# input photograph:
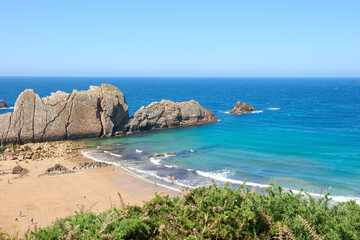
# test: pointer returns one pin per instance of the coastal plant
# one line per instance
(6, 236)
(216, 213)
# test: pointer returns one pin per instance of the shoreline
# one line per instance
(210, 175)
(31, 201)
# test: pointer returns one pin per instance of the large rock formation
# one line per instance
(166, 114)
(100, 111)
(241, 108)
(3, 104)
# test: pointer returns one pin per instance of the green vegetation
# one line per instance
(2, 149)
(216, 213)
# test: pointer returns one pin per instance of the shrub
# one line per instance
(216, 213)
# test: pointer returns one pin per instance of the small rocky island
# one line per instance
(98, 112)
(242, 108)
(3, 104)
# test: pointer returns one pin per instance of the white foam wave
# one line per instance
(334, 198)
(227, 112)
(116, 155)
(153, 174)
(91, 156)
(273, 108)
(138, 151)
(192, 150)
(222, 176)
(170, 166)
(155, 161)
(260, 111)
(113, 154)
(6, 108)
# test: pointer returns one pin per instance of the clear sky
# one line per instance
(180, 38)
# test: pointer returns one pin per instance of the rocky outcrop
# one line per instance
(87, 165)
(167, 114)
(3, 104)
(58, 169)
(241, 108)
(19, 170)
(98, 112)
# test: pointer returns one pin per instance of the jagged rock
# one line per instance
(58, 169)
(87, 165)
(19, 170)
(241, 108)
(3, 104)
(171, 153)
(100, 111)
(167, 114)
(157, 155)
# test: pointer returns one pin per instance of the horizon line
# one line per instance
(115, 76)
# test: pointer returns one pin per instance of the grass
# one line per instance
(2, 149)
(215, 213)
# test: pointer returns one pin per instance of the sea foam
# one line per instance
(222, 176)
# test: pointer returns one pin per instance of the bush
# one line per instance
(216, 213)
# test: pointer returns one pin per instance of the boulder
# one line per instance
(3, 104)
(98, 112)
(166, 114)
(241, 108)
(19, 170)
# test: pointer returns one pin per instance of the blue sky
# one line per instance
(180, 38)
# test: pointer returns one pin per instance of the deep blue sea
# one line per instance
(305, 133)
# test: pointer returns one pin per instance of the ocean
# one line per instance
(305, 133)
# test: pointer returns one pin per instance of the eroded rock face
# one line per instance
(241, 108)
(100, 111)
(167, 114)
(3, 104)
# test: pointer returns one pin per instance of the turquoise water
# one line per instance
(306, 133)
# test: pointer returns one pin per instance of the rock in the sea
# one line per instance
(241, 108)
(98, 112)
(3, 104)
(156, 155)
(166, 114)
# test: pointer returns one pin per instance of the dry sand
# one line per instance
(46, 198)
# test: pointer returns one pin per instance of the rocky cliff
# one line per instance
(166, 114)
(100, 111)
(241, 108)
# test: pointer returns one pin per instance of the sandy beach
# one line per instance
(31, 201)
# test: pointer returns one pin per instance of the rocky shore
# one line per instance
(98, 112)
